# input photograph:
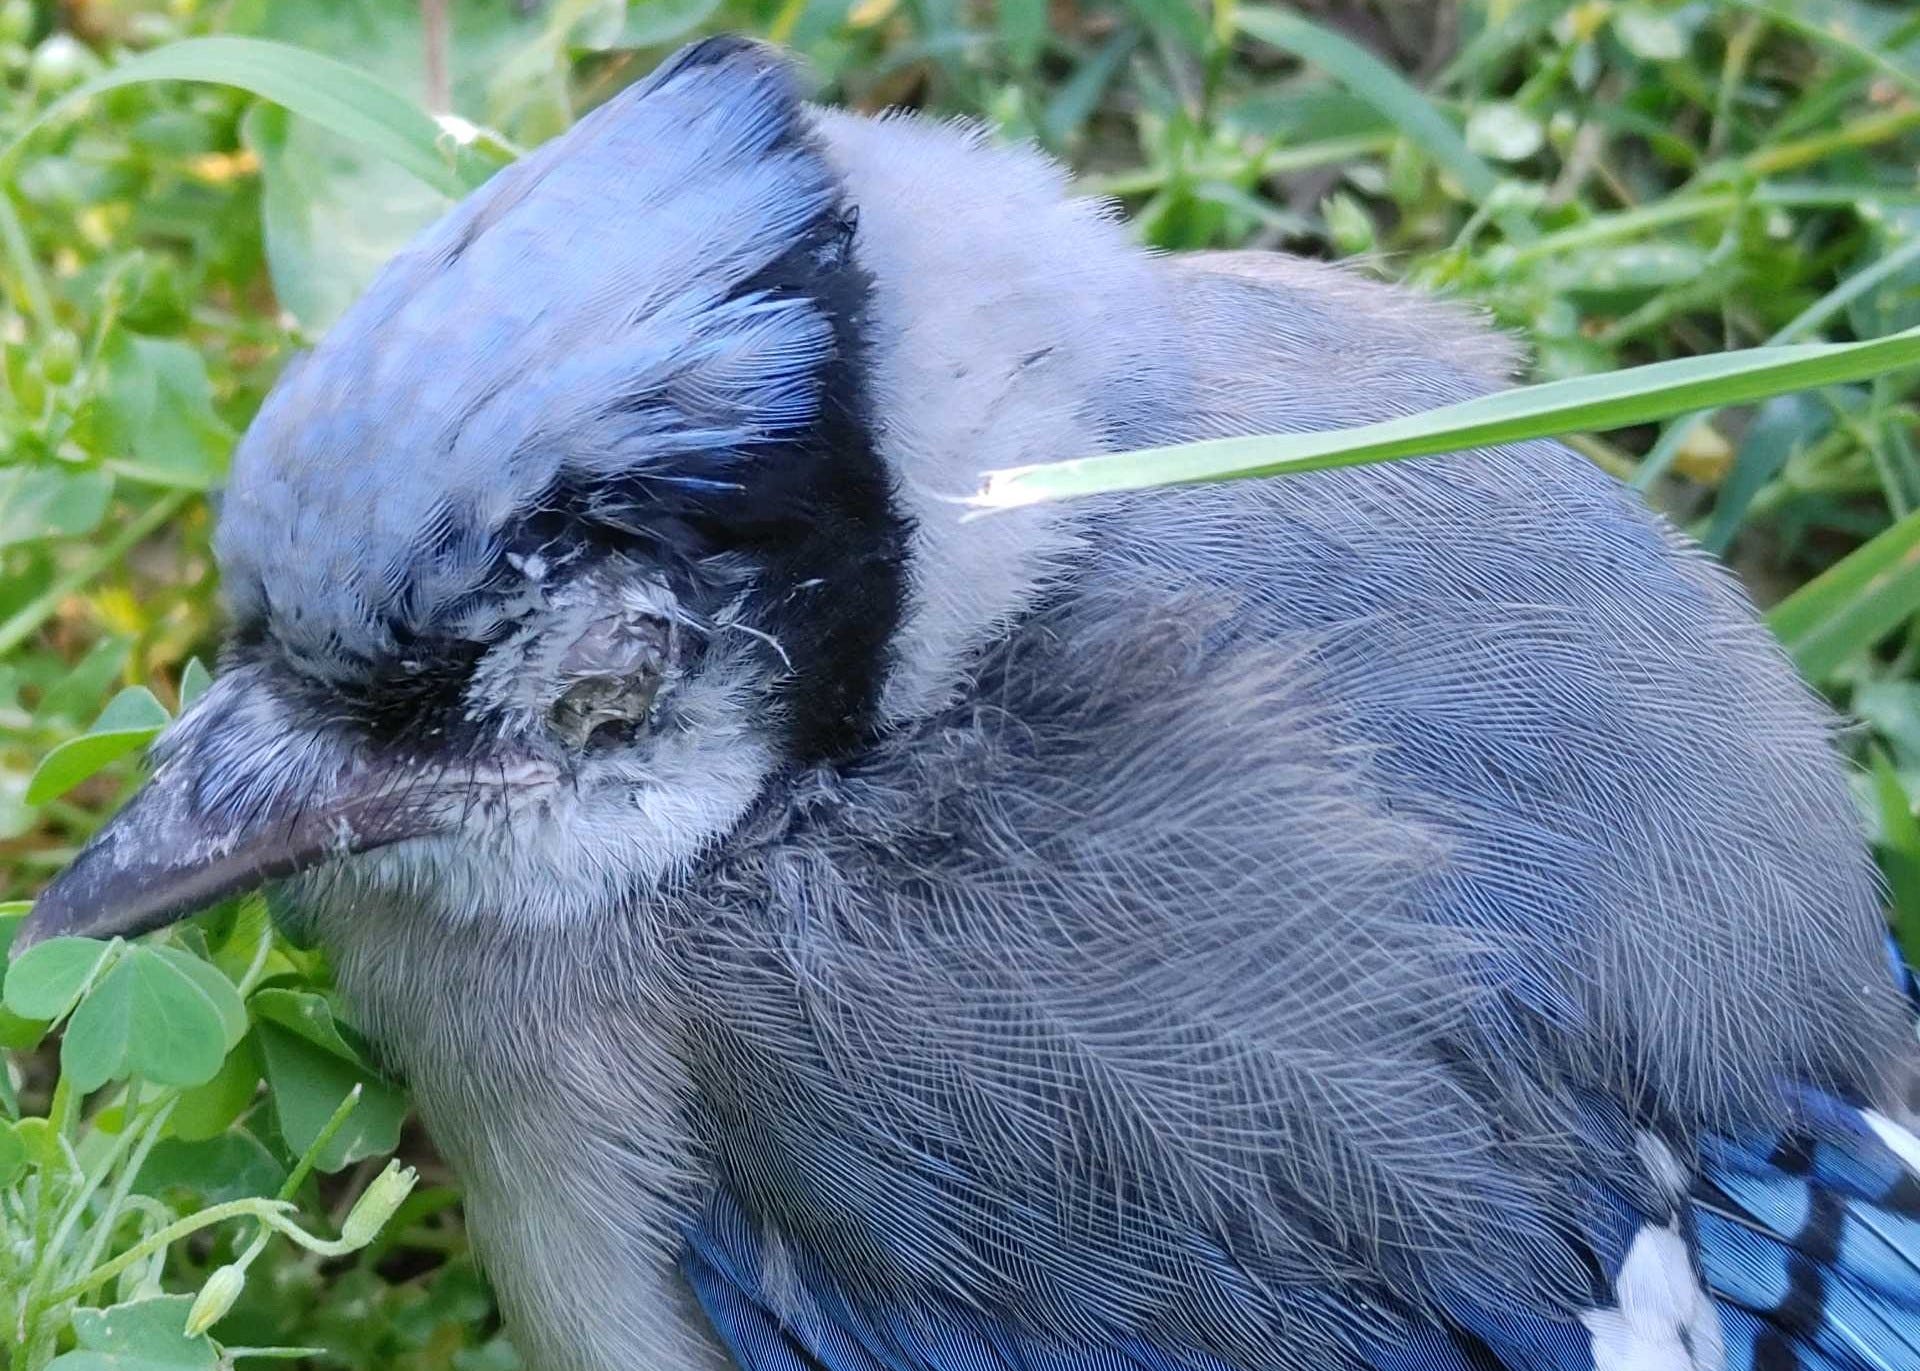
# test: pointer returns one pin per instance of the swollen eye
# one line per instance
(612, 672)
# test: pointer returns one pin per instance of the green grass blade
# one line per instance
(1854, 603)
(331, 93)
(1635, 396)
(1379, 85)
(1869, 34)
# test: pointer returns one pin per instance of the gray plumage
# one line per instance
(1253, 920)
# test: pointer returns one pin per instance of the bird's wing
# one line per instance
(1294, 949)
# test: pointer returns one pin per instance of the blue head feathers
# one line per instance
(644, 339)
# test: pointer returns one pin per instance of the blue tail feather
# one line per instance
(1809, 1302)
(1875, 1247)
(1754, 1344)
(1810, 1240)
(1859, 1168)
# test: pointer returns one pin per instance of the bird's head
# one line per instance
(565, 538)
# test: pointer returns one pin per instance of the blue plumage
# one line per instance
(1400, 918)
(1837, 1289)
(1807, 1240)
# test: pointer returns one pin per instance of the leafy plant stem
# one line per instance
(156, 1122)
(1732, 72)
(271, 1212)
(82, 1193)
(311, 1157)
(26, 621)
(33, 284)
(1810, 319)
(1802, 152)
(38, 1303)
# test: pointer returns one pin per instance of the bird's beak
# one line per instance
(174, 849)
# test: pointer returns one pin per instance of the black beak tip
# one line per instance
(70, 908)
(33, 929)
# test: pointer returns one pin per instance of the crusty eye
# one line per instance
(611, 674)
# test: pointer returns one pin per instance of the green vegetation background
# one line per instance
(1620, 181)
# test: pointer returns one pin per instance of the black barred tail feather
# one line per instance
(1810, 1242)
(1810, 1238)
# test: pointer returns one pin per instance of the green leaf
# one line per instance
(1861, 286)
(133, 708)
(237, 952)
(18, 1032)
(146, 1335)
(156, 414)
(231, 1166)
(1023, 29)
(75, 696)
(1378, 84)
(48, 502)
(1899, 849)
(46, 979)
(310, 1016)
(1181, 18)
(333, 94)
(147, 1017)
(131, 720)
(308, 1083)
(1080, 94)
(194, 680)
(655, 23)
(1854, 603)
(213, 983)
(331, 216)
(207, 1111)
(1295, 117)
(1782, 427)
(1613, 400)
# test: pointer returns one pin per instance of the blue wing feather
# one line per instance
(1810, 1239)
(1807, 1241)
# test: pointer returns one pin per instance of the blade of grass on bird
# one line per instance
(1854, 603)
(1617, 399)
(331, 93)
(1379, 85)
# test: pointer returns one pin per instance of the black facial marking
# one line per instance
(806, 524)
(822, 520)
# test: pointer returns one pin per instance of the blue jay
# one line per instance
(1397, 919)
